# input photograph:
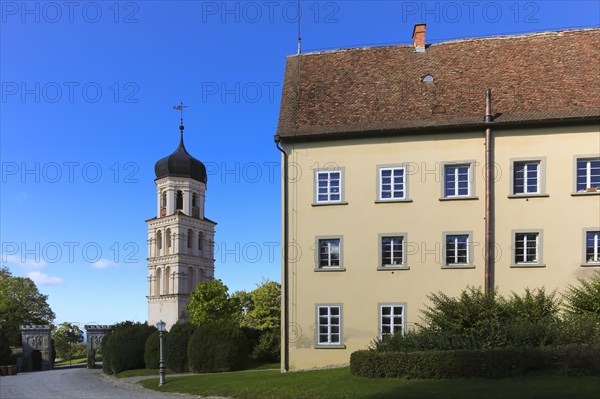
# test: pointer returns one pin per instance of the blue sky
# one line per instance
(87, 90)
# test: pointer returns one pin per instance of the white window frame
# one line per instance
(540, 178)
(595, 232)
(470, 165)
(402, 264)
(328, 189)
(588, 189)
(394, 327)
(380, 179)
(469, 249)
(329, 267)
(539, 239)
(329, 325)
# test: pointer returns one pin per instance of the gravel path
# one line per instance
(77, 383)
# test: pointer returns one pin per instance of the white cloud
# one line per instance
(104, 264)
(28, 263)
(43, 279)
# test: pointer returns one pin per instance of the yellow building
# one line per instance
(388, 197)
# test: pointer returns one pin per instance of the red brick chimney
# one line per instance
(418, 37)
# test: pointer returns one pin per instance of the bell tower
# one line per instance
(180, 237)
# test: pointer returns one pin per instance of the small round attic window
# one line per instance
(427, 79)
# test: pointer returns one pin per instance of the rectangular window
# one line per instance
(588, 175)
(457, 249)
(527, 248)
(329, 186)
(329, 253)
(392, 183)
(391, 320)
(392, 251)
(592, 247)
(457, 181)
(329, 323)
(526, 177)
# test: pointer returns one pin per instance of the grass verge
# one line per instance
(73, 361)
(339, 383)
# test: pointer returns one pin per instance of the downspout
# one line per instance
(286, 317)
(489, 195)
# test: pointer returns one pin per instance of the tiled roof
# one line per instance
(551, 76)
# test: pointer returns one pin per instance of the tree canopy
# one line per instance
(65, 335)
(264, 307)
(21, 303)
(210, 303)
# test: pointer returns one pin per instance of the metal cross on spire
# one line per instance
(180, 108)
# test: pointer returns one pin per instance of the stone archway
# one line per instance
(37, 347)
(95, 333)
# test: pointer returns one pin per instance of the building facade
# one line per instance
(387, 188)
(180, 237)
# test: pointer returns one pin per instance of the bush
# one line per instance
(175, 347)
(5, 352)
(252, 336)
(123, 348)
(152, 351)
(584, 298)
(268, 347)
(476, 320)
(498, 362)
(217, 347)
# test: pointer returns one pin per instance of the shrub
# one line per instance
(268, 347)
(476, 320)
(252, 336)
(107, 343)
(152, 351)
(217, 347)
(584, 298)
(5, 352)
(175, 347)
(498, 362)
(123, 348)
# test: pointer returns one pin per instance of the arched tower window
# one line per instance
(200, 241)
(167, 280)
(190, 238)
(157, 281)
(194, 200)
(158, 242)
(163, 198)
(168, 240)
(179, 200)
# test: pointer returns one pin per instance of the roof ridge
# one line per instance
(454, 41)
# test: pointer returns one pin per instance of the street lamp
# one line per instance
(161, 366)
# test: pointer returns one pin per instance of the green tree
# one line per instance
(265, 312)
(210, 303)
(65, 335)
(21, 303)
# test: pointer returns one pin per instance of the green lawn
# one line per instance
(339, 383)
(252, 365)
(73, 361)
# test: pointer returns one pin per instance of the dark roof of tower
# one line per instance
(180, 164)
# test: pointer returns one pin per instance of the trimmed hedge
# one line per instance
(152, 350)
(175, 350)
(123, 348)
(217, 347)
(497, 362)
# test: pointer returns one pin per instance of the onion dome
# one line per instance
(180, 164)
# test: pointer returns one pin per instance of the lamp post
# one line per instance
(161, 366)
